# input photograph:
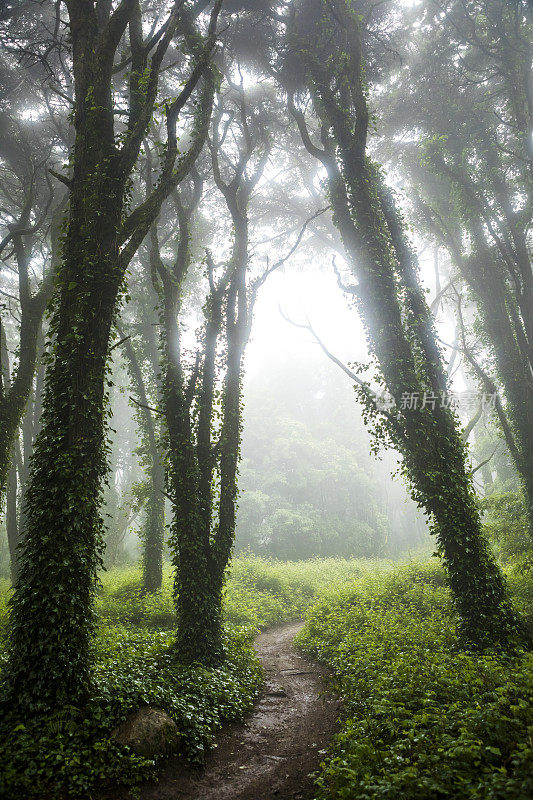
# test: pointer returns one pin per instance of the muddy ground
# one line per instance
(270, 755)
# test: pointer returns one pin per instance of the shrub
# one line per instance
(69, 753)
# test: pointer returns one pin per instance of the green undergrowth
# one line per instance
(71, 754)
(424, 719)
(259, 592)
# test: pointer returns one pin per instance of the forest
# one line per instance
(266, 400)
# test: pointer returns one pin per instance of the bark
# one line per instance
(11, 521)
(53, 605)
(398, 325)
(154, 525)
(14, 398)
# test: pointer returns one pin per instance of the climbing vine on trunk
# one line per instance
(393, 309)
(52, 613)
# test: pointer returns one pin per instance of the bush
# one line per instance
(69, 753)
(424, 719)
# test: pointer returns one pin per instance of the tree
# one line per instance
(32, 212)
(154, 525)
(463, 102)
(51, 611)
(202, 453)
(392, 305)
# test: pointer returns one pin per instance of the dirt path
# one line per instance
(270, 755)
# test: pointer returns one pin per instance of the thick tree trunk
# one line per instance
(63, 536)
(196, 595)
(432, 448)
(201, 544)
(52, 611)
(197, 589)
(399, 331)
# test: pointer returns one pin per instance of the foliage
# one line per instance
(506, 525)
(309, 485)
(70, 752)
(259, 592)
(423, 717)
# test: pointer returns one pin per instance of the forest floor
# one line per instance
(270, 754)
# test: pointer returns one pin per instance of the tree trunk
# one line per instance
(399, 331)
(52, 612)
(154, 526)
(12, 522)
(63, 536)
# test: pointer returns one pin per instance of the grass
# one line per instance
(259, 592)
(424, 719)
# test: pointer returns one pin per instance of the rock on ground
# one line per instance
(149, 732)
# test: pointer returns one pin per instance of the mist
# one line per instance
(266, 399)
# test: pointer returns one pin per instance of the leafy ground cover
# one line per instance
(424, 719)
(259, 592)
(72, 753)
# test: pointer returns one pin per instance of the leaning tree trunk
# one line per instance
(398, 327)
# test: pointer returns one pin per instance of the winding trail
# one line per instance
(270, 755)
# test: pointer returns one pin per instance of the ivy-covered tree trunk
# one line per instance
(16, 384)
(199, 631)
(197, 601)
(397, 321)
(154, 527)
(15, 391)
(51, 617)
(238, 320)
(202, 459)
(204, 550)
(52, 611)
(469, 175)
